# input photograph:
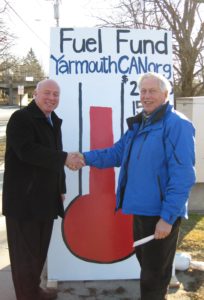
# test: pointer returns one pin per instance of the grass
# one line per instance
(191, 238)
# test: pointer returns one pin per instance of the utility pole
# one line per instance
(143, 9)
(56, 12)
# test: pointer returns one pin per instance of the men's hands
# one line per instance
(75, 161)
(162, 229)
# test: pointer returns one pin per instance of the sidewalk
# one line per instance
(6, 284)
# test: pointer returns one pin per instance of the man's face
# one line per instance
(47, 96)
(150, 94)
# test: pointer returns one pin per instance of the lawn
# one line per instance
(191, 238)
(191, 241)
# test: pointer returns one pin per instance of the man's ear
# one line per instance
(166, 95)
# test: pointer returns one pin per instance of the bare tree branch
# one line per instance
(184, 19)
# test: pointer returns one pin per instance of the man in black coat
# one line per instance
(33, 188)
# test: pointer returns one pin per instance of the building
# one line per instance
(193, 108)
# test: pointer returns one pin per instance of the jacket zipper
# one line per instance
(141, 145)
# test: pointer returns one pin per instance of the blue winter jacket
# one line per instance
(157, 164)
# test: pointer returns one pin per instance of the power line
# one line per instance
(25, 23)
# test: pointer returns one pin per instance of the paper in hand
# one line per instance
(143, 241)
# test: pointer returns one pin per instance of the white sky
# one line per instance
(31, 20)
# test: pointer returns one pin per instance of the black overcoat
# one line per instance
(34, 177)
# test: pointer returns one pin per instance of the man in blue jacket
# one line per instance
(156, 156)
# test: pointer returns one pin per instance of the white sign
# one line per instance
(98, 71)
(29, 78)
(20, 90)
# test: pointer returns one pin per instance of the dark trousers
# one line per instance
(28, 243)
(155, 258)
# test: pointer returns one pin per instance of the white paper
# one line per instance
(143, 241)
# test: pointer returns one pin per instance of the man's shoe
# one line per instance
(47, 294)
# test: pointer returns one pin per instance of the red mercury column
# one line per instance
(91, 229)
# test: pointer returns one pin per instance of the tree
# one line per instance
(28, 66)
(24, 67)
(6, 42)
(184, 19)
(15, 74)
(13, 70)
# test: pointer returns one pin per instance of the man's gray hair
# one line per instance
(164, 83)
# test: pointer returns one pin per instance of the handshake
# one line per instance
(75, 161)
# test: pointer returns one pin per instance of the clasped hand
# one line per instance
(75, 161)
